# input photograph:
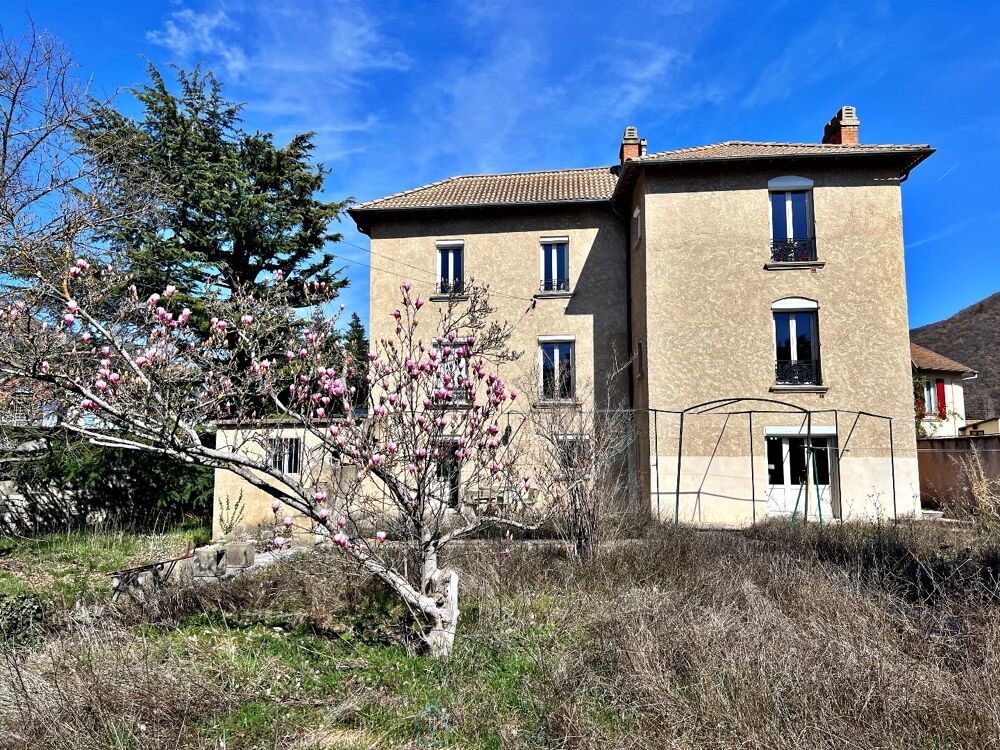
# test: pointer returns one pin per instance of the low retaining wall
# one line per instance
(942, 480)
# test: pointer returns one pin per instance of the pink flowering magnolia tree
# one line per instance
(130, 371)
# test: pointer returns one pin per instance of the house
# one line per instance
(761, 282)
(975, 428)
(938, 392)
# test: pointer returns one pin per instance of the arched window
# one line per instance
(796, 341)
(792, 234)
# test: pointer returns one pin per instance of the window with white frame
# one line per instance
(796, 341)
(448, 471)
(286, 454)
(451, 279)
(554, 260)
(557, 365)
(930, 399)
(792, 236)
(453, 367)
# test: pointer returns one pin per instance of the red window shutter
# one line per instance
(942, 407)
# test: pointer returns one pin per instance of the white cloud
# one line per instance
(189, 34)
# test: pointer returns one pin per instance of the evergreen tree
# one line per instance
(230, 207)
(356, 355)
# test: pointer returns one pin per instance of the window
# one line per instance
(636, 226)
(285, 454)
(935, 400)
(450, 267)
(638, 359)
(796, 342)
(557, 369)
(788, 454)
(448, 472)
(792, 238)
(555, 264)
(930, 399)
(452, 369)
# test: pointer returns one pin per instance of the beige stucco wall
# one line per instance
(711, 329)
(503, 251)
(238, 503)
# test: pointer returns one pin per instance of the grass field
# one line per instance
(853, 637)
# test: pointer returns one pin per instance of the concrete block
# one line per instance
(209, 561)
(240, 554)
(179, 571)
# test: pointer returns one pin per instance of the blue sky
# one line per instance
(405, 93)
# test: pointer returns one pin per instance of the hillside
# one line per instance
(971, 336)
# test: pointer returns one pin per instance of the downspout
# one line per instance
(628, 301)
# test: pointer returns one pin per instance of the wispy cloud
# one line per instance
(188, 34)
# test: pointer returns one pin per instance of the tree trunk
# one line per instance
(442, 587)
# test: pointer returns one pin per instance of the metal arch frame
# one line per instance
(707, 407)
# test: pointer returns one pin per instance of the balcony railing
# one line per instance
(793, 251)
(554, 285)
(450, 286)
(797, 372)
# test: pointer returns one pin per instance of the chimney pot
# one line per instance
(843, 127)
(632, 145)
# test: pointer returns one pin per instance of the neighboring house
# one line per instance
(737, 270)
(938, 392)
(974, 428)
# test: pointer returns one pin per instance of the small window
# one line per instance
(448, 472)
(930, 399)
(792, 236)
(976, 433)
(636, 226)
(451, 278)
(555, 265)
(796, 343)
(452, 371)
(557, 365)
(639, 359)
(285, 454)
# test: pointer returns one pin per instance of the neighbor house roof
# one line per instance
(925, 359)
(558, 186)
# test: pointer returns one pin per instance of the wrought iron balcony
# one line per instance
(797, 372)
(793, 251)
(554, 285)
(450, 286)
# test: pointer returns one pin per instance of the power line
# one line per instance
(423, 271)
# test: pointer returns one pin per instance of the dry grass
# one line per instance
(881, 637)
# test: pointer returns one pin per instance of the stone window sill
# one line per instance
(448, 297)
(781, 388)
(558, 404)
(794, 265)
(553, 295)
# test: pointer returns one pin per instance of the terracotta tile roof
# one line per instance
(560, 186)
(925, 359)
(752, 149)
(598, 183)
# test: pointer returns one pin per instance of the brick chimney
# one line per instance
(843, 128)
(632, 145)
